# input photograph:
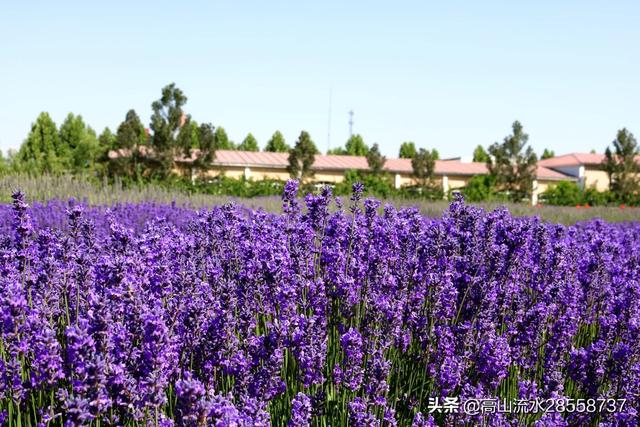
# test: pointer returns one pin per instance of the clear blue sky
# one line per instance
(448, 75)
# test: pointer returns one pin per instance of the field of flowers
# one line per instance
(341, 313)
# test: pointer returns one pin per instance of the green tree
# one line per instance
(249, 143)
(355, 146)
(107, 140)
(166, 121)
(79, 145)
(338, 151)
(435, 154)
(424, 167)
(277, 144)
(188, 135)
(407, 150)
(480, 154)
(623, 165)
(564, 193)
(513, 164)
(547, 154)
(41, 151)
(480, 188)
(302, 156)
(128, 155)
(375, 159)
(222, 140)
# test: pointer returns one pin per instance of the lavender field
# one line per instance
(332, 312)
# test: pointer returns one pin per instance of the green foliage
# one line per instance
(79, 145)
(355, 146)
(424, 167)
(623, 166)
(166, 121)
(435, 154)
(127, 160)
(277, 144)
(480, 188)
(222, 140)
(547, 154)
(41, 151)
(338, 151)
(375, 159)
(564, 193)
(225, 186)
(513, 165)
(480, 155)
(301, 157)
(380, 185)
(407, 150)
(249, 144)
(188, 136)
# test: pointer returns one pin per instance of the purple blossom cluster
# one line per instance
(166, 316)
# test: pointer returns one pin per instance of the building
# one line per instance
(586, 168)
(330, 169)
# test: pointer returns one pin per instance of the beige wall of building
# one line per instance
(596, 177)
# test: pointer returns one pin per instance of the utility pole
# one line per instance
(350, 123)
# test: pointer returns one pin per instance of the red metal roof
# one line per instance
(573, 159)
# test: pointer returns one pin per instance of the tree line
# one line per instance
(135, 153)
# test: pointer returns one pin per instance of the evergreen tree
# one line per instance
(167, 119)
(547, 154)
(128, 157)
(302, 156)
(480, 155)
(40, 152)
(513, 164)
(424, 167)
(79, 145)
(623, 165)
(375, 159)
(355, 146)
(222, 140)
(407, 150)
(249, 144)
(277, 144)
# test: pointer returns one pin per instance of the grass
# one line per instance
(64, 187)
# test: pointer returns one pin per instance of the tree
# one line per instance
(41, 151)
(79, 144)
(302, 156)
(375, 159)
(338, 151)
(407, 150)
(277, 144)
(355, 146)
(249, 143)
(222, 140)
(547, 154)
(480, 188)
(206, 145)
(188, 136)
(424, 167)
(128, 158)
(480, 154)
(513, 164)
(107, 139)
(623, 165)
(435, 154)
(166, 121)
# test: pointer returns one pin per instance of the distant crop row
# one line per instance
(338, 312)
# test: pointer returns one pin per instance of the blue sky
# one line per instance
(447, 75)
